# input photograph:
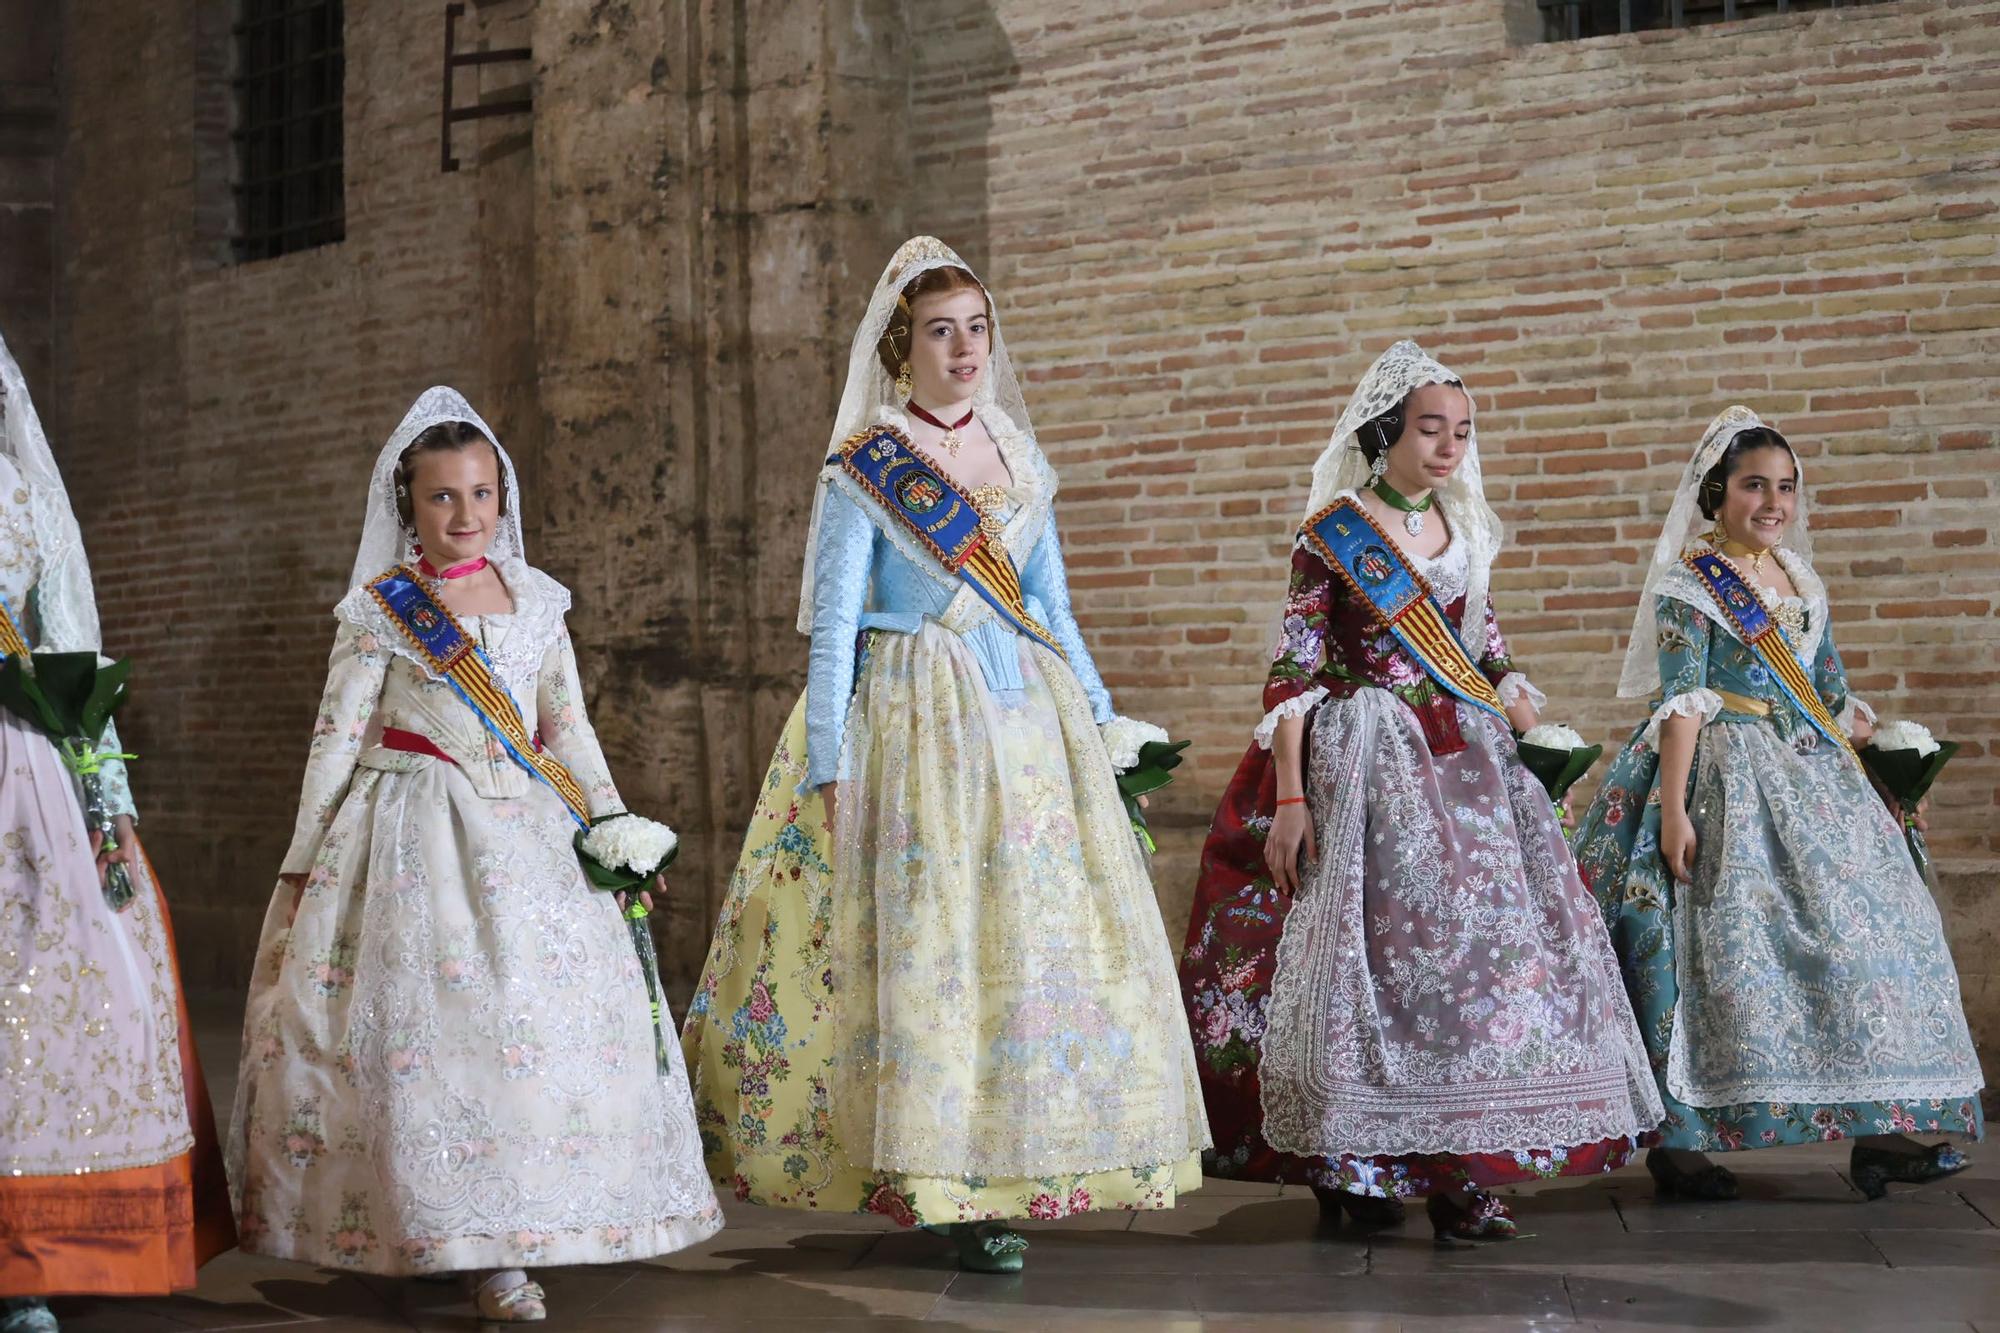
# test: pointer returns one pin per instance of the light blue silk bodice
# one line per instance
(863, 580)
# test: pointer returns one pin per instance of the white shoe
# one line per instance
(505, 1297)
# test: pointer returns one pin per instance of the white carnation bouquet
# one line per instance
(1905, 735)
(1558, 758)
(622, 853)
(1145, 757)
(1906, 759)
(629, 847)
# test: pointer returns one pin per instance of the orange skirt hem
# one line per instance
(142, 1231)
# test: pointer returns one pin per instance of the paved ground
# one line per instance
(1800, 1251)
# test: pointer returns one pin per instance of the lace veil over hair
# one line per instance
(385, 543)
(1399, 371)
(1640, 678)
(871, 391)
(65, 602)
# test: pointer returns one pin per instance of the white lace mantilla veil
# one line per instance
(1400, 370)
(870, 396)
(1640, 678)
(65, 603)
(385, 543)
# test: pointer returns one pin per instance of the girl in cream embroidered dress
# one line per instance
(448, 1060)
(958, 1004)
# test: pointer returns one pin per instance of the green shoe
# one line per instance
(989, 1247)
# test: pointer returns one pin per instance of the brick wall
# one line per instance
(1204, 220)
(28, 110)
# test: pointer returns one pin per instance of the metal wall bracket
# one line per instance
(448, 114)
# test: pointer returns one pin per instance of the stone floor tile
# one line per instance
(1830, 1296)
(1408, 1253)
(1033, 1298)
(1494, 1295)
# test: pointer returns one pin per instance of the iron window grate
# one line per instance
(290, 79)
(1573, 20)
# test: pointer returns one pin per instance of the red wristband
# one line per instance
(1291, 800)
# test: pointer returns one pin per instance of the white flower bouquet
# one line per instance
(1145, 757)
(1558, 758)
(1906, 759)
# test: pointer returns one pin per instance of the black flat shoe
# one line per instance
(1874, 1168)
(1482, 1217)
(1370, 1212)
(1711, 1184)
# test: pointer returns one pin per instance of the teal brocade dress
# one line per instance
(1799, 988)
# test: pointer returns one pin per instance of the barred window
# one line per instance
(290, 77)
(1569, 20)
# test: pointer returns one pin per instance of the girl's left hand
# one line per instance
(1917, 820)
(645, 895)
(126, 855)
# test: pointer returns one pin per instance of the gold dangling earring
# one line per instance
(904, 385)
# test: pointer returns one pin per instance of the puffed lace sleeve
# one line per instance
(1290, 688)
(1047, 581)
(1830, 680)
(1496, 663)
(354, 676)
(566, 730)
(1683, 647)
(842, 567)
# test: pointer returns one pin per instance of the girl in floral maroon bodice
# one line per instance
(1397, 984)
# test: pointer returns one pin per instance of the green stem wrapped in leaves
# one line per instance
(621, 876)
(70, 697)
(1157, 761)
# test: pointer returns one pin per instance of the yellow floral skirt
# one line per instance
(760, 1037)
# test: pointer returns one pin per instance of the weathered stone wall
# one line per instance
(715, 190)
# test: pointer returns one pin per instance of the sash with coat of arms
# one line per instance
(456, 659)
(924, 503)
(1766, 638)
(1367, 561)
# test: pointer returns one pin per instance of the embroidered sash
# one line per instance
(926, 504)
(1357, 550)
(453, 656)
(1766, 638)
(13, 643)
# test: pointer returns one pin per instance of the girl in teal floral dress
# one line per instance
(1786, 962)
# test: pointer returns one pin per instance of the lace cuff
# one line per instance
(1851, 711)
(1515, 684)
(1296, 706)
(1701, 704)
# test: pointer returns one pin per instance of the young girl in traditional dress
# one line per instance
(111, 1178)
(1785, 958)
(449, 1063)
(940, 989)
(1397, 985)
